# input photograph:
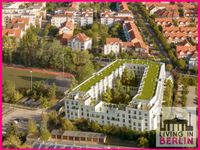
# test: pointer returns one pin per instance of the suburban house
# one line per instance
(80, 42)
(67, 28)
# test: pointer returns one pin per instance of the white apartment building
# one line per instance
(34, 12)
(109, 17)
(80, 42)
(112, 45)
(58, 19)
(82, 18)
(140, 114)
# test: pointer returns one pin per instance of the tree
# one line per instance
(10, 94)
(160, 28)
(44, 132)
(38, 90)
(9, 45)
(28, 45)
(12, 141)
(85, 71)
(32, 127)
(175, 22)
(53, 120)
(66, 124)
(44, 102)
(53, 31)
(52, 91)
(94, 126)
(13, 136)
(73, 83)
(128, 77)
(181, 12)
(143, 142)
(169, 67)
(182, 64)
(106, 96)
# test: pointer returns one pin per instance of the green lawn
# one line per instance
(22, 78)
(149, 82)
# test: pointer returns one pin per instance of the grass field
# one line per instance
(22, 78)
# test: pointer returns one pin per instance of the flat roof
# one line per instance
(149, 84)
(79, 134)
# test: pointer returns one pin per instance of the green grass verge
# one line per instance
(22, 78)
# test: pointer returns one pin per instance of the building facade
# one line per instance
(140, 114)
(80, 42)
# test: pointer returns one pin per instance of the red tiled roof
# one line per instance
(186, 50)
(135, 35)
(12, 32)
(112, 40)
(69, 24)
(20, 21)
(123, 6)
(81, 37)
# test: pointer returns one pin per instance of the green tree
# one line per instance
(12, 141)
(181, 12)
(73, 83)
(143, 142)
(44, 102)
(10, 94)
(107, 96)
(44, 132)
(53, 31)
(66, 124)
(160, 28)
(32, 127)
(28, 45)
(182, 64)
(52, 91)
(169, 67)
(9, 45)
(38, 90)
(94, 126)
(85, 71)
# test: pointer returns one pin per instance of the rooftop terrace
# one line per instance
(149, 84)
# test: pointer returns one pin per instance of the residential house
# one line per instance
(133, 35)
(112, 45)
(80, 42)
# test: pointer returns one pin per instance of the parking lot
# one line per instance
(21, 116)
